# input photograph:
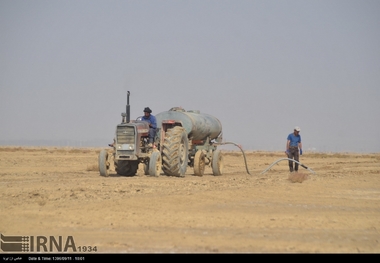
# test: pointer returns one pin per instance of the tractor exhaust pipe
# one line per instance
(128, 110)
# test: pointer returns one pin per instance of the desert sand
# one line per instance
(47, 191)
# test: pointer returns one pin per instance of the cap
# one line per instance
(297, 128)
(147, 110)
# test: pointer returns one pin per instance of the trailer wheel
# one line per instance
(126, 168)
(199, 163)
(217, 163)
(175, 150)
(155, 164)
(103, 163)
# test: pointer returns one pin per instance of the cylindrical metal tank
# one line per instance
(198, 125)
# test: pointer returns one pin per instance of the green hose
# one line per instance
(289, 160)
(245, 160)
(237, 145)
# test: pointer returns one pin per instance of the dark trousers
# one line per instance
(293, 154)
(152, 134)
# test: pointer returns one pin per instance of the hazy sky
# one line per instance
(260, 66)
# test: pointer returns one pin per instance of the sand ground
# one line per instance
(59, 192)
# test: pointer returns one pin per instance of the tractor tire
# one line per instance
(155, 164)
(217, 163)
(199, 163)
(103, 163)
(175, 150)
(126, 168)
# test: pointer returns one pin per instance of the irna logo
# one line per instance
(37, 244)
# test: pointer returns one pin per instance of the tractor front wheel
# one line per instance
(155, 164)
(103, 163)
(126, 168)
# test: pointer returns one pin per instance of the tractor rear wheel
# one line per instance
(217, 163)
(126, 168)
(103, 163)
(175, 150)
(199, 163)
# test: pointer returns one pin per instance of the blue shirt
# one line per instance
(294, 139)
(151, 119)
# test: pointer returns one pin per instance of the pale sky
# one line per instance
(261, 67)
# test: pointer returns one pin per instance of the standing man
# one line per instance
(148, 117)
(294, 148)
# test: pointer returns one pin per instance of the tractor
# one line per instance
(183, 138)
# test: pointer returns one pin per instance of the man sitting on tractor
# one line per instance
(151, 119)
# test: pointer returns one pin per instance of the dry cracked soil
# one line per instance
(48, 191)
